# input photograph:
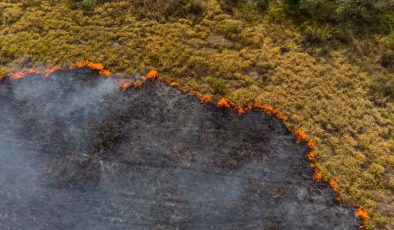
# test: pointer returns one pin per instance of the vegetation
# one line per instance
(327, 64)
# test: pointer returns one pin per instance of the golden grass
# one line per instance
(328, 96)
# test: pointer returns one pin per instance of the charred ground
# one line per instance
(76, 152)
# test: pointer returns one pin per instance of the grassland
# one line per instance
(330, 90)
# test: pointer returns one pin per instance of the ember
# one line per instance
(78, 153)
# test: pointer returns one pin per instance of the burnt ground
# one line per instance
(76, 153)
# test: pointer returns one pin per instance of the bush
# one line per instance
(85, 4)
(276, 13)
(169, 9)
(89, 4)
(244, 5)
(318, 32)
(232, 26)
(217, 85)
(387, 58)
(384, 86)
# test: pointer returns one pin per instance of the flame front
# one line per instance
(94, 66)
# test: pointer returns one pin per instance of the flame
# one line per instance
(311, 156)
(151, 75)
(301, 136)
(318, 176)
(310, 143)
(125, 85)
(94, 66)
(333, 185)
(269, 110)
(23, 73)
(204, 99)
(363, 216)
(174, 84)
(224, 103)
(241, 110)
(52, 70)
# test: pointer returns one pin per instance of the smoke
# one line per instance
(76, 153)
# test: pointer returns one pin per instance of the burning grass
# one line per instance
(325, 91)
(117, 143)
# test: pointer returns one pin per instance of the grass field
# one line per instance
(330, 90)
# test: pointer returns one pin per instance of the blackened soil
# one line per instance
(76, 153)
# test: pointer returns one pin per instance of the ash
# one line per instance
(77, 153)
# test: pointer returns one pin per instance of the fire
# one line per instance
(241, 110)
(224, 103)
(311, 144)
(205, 99)
(151, 75)
(363, 215)
(174, 84)
(269, 110)
(301, 135)
(22, 74)
(311, 156)
(318, 176)
(125, 85)
(52, 70)
(94, 66)
(333, 185)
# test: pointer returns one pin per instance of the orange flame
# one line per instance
(363, 216)
(125, 85)
(151, 75)
(22, 74)
(311, 156)
(269, 110)
(333, 185)
(311, 144)
(224, 103)
(52, 70)
(174, 84)
(318, 176)
(301, 136)
(205, 99)
(94, 66)
(241, 110)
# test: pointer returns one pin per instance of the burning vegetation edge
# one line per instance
(223, 103)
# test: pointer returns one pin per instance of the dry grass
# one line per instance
(328, 96)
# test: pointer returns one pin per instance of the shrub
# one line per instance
(218, 85)
(387, 58)
(232, 29)
(276, 13)
(318, 32)
(232, 26)
(85, 4)
(384, 85)
(245, 6)
(89, 4)
(169, 9)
